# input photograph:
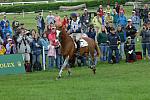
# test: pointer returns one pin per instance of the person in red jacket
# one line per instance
(100, 10)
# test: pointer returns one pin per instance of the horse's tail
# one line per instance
(97, 49)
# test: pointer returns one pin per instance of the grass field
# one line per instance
(121, 81)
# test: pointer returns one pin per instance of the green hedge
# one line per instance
(52, 6)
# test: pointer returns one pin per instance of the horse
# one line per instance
(68, 50)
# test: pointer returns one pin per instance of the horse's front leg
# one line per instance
(63, 66)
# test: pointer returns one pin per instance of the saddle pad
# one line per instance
(83, 43)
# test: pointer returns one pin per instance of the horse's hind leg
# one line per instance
(63, 66)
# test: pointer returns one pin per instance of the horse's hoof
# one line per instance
(57, 78)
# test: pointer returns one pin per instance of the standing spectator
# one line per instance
(58, 20)
(65, 22)
(121, 10)
(58, 56)
(115, 17)
(97, 22)
(3, 22)
(36, 47)
(147, 20)
(85, 20)
(91, 32)
(51, 54)
(7, 29)
(40, 24)
(122, 35)
(135, 20)
(100, 10)
(10, 47)
(117, 7)
(23, 47)
(45, 43)
(129, 50)
(15, 25)
(108, 9)
(109, 19)
(145, 33)
(122, 20)
(114, 41)
(50, 19)
(2, 48)
(145, 12)
(102, 42)
(131, 31)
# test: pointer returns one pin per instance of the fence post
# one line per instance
(42, 13)
(23, 13)
(43, 60)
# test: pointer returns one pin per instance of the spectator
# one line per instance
(15, 25)
(40, 24)
(91, 32)
(145, 12)
(6, 40)
(45, 43)
(122, 20)
(50, 19)
(145, 33)
(10, 47)
(7, 29)
(122, 35)
(115, 17)
(102, 42)
(108, 9)
(58, 56)
(109, 19)
(121, 10)
(2, 48)
(136, 20)
(131, 31)
(117, 7)
(51, 54)
(23, 46)
(100, 10)
(58, 20)
(129, 50)
(85, 20)
(65, 22)
(147, 20)
(114, 41)
(36, 47)
(97, 22)
(3, 22)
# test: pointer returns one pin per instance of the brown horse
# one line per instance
(68, 50)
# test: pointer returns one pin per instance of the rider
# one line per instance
(75, 29)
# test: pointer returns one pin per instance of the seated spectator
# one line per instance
(10, 47)
(129, 50)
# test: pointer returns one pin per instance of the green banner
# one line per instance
(11, 64)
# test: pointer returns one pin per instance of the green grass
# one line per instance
(121, 81)
(111, 82)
